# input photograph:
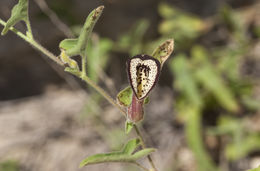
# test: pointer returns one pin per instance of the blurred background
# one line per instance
(204, 115)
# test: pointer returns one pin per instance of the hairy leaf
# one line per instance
(19, 13)
(163, 51)
(123, 156)
(78, 46)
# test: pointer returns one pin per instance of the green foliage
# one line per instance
(9, 165)
(19, 13)
(97, 56)
(210, 78)
(163, 51)
(124, 97)
(182, 26)
(193, 133)
(73, 47)
(132, 41)
(185, 81)
(127, 154)
(128, 127)
(242, 142)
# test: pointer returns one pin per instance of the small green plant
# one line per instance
(147, 68)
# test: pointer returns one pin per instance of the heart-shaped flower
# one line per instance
(143, 73)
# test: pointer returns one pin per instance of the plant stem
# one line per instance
(84, 62)
(28, 25)
(34, 44)
(144, 146)
(79, 74)
(103, 93)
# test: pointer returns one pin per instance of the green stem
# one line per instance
(79, 74)
(103, 93)
(144, 146)
(34, 44)
(84, 62)
(28, 25)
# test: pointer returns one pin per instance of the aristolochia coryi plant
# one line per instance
(143, 73)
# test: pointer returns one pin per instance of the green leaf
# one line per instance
(185, 81)
(132, 41)
(131, 146)
(142, 153)
(214, 83)
(195, 141)
(19, 12)
(124, 97)
(98, 54)
(128, 127)
(163, 51)
(67, 44)
(211, 79)
(242, 148)
(80, 47)
(123, 156)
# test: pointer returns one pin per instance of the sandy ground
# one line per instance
(47, 132)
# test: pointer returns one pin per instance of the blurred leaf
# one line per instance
(80, 47)
(199, 56)
(182, 26)
(256, 169)
(97, 54)
(246, 145)
(132, 41)
(206, 74)
(250, 102)
(128, 127)
(256, 31)
(230, 18)
(195, 142)
(227, 125)
(9, 165)
(233, 22)
(213, 82)
(19, 12)
(229, 61)
(163, 51)
(166, 11)
(126, 155)
(184, 80)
